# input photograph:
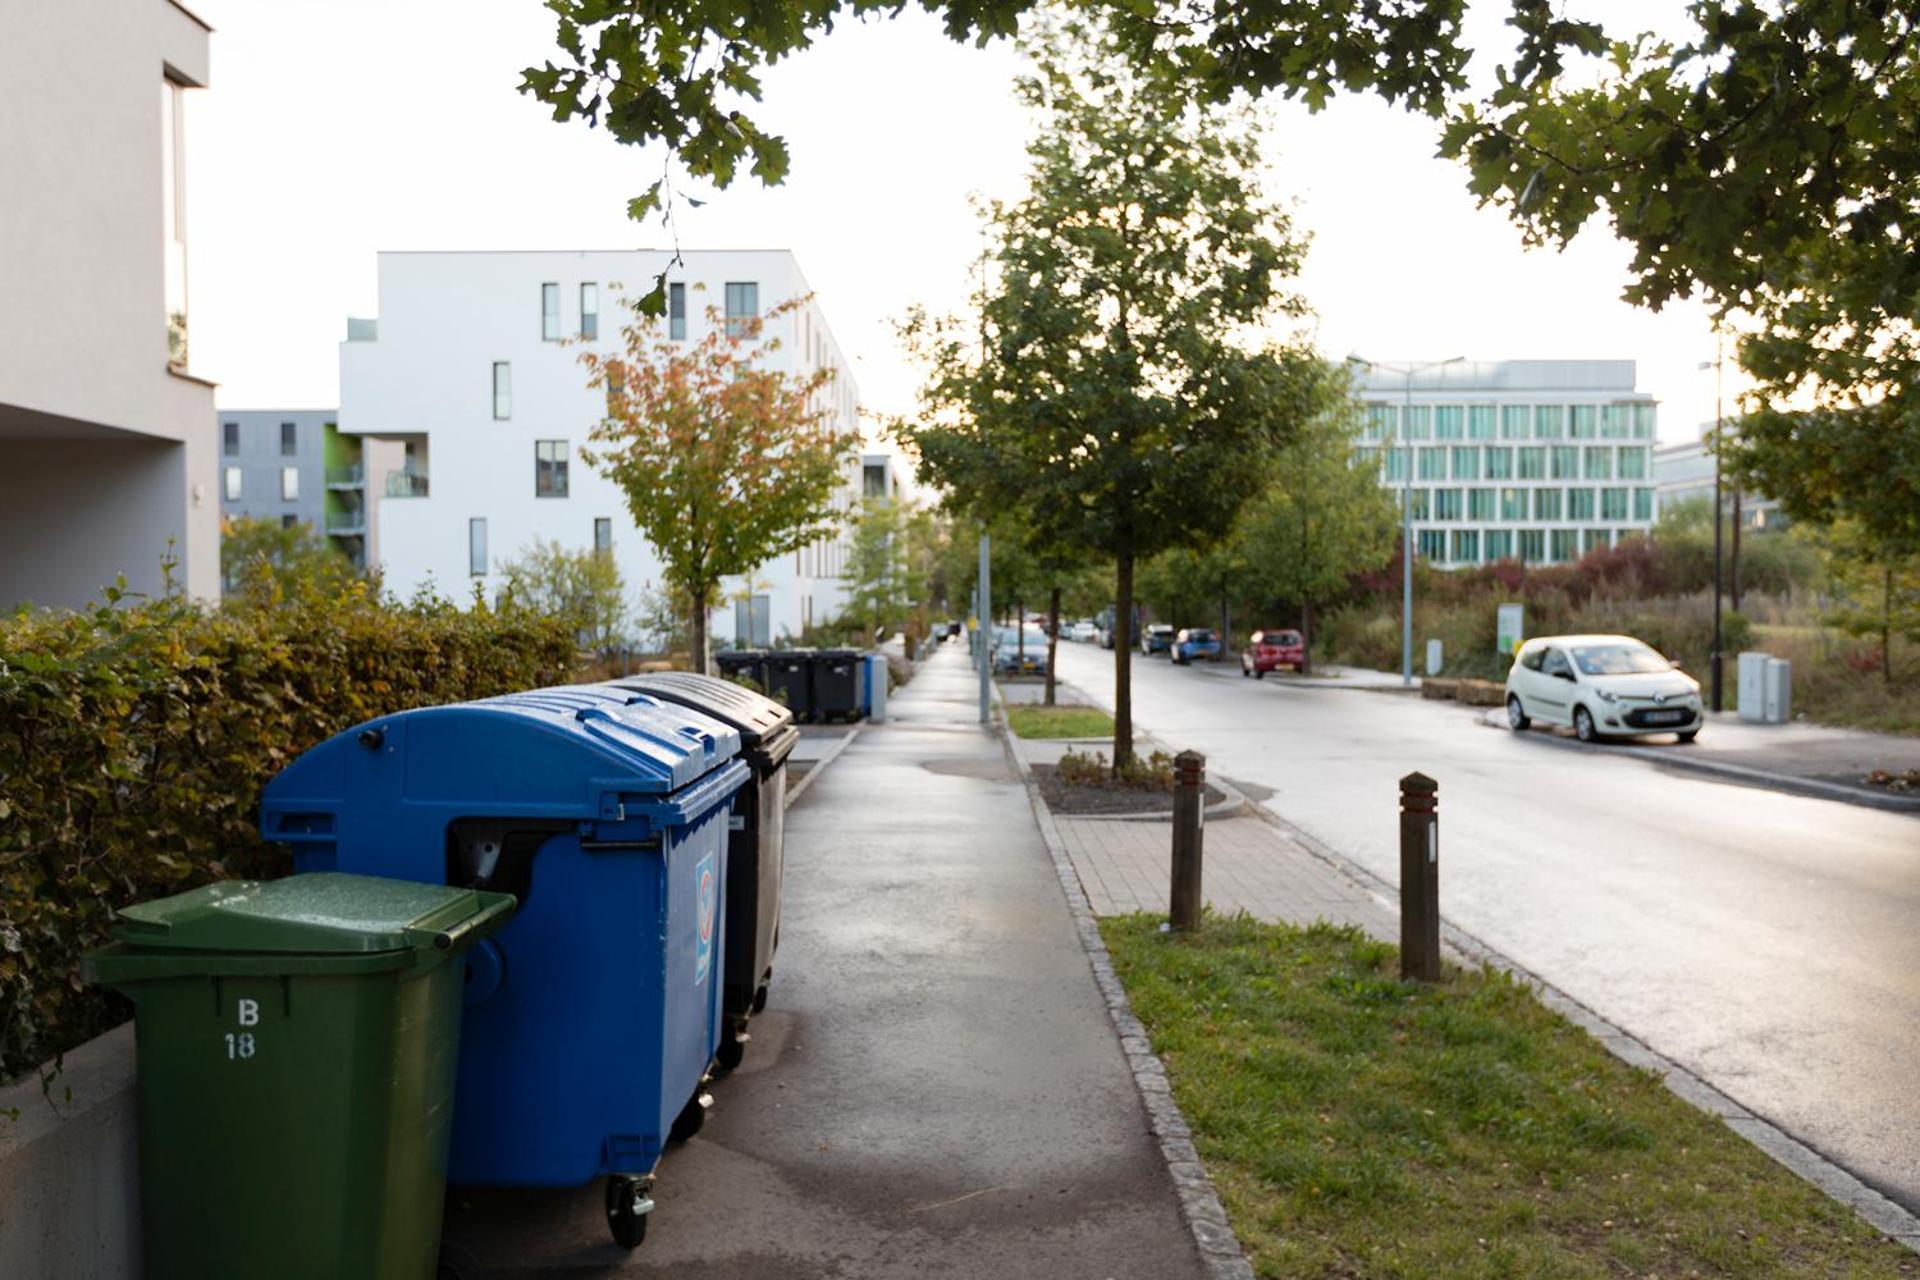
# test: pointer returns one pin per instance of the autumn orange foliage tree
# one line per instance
(726, 462)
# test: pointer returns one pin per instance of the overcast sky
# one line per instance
(336, 128)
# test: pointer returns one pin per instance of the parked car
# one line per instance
(1271, 650)
(1156, 638)
(1083, 630)
(1195, 642)
(1601, 687)
(1013, 657)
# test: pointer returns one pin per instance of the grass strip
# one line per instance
(1358, 1126)
(1059, 722)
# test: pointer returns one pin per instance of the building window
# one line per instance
(1499, 463)
(1616, 422)
(1449, 422)
(1480, 503)
(173, 204)
(550, 468)
(1546, 504)
(1633, 462)
(590, 311)
(1380, 421)
(1416, 423)
(290, 484)
(1446, 504)
(502, 390)
(289, 439)
(231, 481)
(230, 439)
(873, 480)
(616, 380)
(1513, 504)
(1533, 463)
(550, 312)
(1480, 422)
(1613, 504)
(1643, 421)
(1397, 464)
(743, 307)
(1595, 539)
(1586, 422)
(289, 521)
(1433, 464)
(1564, 544)
(1466, 546)
(1432, 544)
(1533, 545)
(1466, 463)
(1599, 462)
(1643, 504)
(1513, 422)
(1499, 544)
(1579, 504)
(1549, 421)
(676, 311)
(477, 546)
(1417, 503)
(602, 534)
(1566, 462)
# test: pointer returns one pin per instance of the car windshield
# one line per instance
(1627, 659)
(1279, 637)
(1200, 634)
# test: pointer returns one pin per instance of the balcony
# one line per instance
(352, 476)
(347, 523)
(406, 484)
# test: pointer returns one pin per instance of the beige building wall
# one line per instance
(105, 445)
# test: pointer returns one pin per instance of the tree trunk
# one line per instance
(1226, 624)
(1306, 637)
(1733, 566)
(1886, 627)
(1053, 638)
(1019, 637)
(1122, 660)
(699, 620)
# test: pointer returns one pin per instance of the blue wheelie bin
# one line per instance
(592, 1018)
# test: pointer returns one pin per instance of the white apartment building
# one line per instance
(472, 370)
(106, 438)
(1536, 460)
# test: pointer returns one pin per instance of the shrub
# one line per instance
(135, 740)
(1090, 769)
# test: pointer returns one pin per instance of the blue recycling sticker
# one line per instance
(708, 890)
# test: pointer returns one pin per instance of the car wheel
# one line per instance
(1260, 674)
(1243, 668)
(1517, 717)
(1583, 725)
(1688, 735)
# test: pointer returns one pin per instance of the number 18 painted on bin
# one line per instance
(241, 1045)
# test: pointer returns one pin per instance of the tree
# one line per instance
(262, 555)
(1323, 519)
(584, 587)
(1112, 397)
(725, 462)
(879, 570)
(1873, 595)
(1767, 163)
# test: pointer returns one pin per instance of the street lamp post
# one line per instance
(1406, 500)
(1716, 660)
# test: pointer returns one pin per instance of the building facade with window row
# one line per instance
(472, 372)
(1536, 460)
(294, 466)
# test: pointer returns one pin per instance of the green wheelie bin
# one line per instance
(296, 1045)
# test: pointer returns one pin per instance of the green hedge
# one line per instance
(135, 740)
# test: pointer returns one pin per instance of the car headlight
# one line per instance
(1607, 695)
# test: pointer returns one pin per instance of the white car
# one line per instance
(1082, 631)
(1601, 687)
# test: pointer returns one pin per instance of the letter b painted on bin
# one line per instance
(249, 1012)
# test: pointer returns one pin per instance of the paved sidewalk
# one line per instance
(936, 1088)
(1248, 865)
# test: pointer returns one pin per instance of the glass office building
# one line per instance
(1534, 460)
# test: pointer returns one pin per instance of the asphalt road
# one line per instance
(1768, 942)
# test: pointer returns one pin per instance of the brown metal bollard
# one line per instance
(1189, 821)
(1419, 878)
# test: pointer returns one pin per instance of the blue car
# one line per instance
(1196, 642)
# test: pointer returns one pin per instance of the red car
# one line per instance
(1270, 650)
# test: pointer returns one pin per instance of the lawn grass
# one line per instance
(1356, 1126)
(1060, 722)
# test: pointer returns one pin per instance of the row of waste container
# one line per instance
(815, 684)
(521, 936)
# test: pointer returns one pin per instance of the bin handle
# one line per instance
(701, 736)
(453, 935)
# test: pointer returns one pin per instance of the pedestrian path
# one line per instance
(936, 1087)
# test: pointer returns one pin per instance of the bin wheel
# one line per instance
(760, 997)
(691, 1118)
(456, 1263)
(733, 1048)
(628, 1208)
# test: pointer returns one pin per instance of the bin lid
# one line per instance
(326, 913)
(755, 715)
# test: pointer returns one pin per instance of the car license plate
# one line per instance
(1665, 717)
